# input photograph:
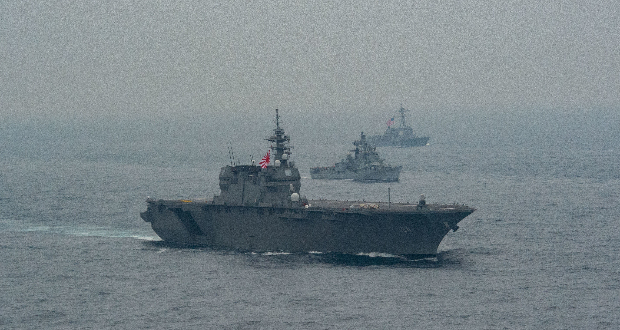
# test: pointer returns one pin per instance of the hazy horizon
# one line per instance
(120, 58)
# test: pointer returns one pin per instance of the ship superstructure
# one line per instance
(364, 165)
(273, 185)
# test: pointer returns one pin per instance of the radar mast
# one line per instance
(281, 150)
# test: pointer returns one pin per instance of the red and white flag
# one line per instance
(265, 161)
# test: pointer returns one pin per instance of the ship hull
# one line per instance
(382, 174)
(326, 173)
(379, 174)
(337, 228)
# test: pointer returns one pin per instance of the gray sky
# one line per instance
(66, 58)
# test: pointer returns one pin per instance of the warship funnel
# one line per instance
(260, 209)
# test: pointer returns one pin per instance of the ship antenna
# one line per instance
(231, 156)
(282, 149)
(402, 116)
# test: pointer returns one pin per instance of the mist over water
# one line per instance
(193, 60)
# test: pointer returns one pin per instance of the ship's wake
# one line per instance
(83, 231)
(381, 259)
(442, 259)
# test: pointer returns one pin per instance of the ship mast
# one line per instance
(281, 150)
(402, 116)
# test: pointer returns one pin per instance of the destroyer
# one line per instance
(401, 136)
(364, 165)
(260, 209)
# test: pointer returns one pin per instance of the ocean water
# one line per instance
(541, 251)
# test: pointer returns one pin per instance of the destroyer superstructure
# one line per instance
(365, 165)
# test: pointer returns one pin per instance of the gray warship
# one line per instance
(401, 136)
(365, 165)
(260, 210)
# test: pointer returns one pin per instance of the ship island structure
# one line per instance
(365, 166)
(401, 136)
(260, 209)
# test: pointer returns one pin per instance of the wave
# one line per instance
(84, 231)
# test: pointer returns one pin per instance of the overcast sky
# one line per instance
(70, 58)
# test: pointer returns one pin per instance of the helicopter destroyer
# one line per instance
(365, 165)
(259, 209)
(401, 136)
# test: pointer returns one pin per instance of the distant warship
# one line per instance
(260, 209)
(401, 136)
(365, 165)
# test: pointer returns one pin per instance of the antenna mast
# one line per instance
(281, 141)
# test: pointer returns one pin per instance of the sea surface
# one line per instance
(542, 251)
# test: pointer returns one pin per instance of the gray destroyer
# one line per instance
(364, 165)
(260, 209)
(401, 136)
